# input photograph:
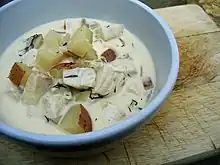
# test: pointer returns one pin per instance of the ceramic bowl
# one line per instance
(20, 16)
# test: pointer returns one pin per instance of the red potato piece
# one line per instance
(19, 74)
(70, 54)
(85, 120)
(16, 74)
(47, 58)
(109, 55)
(76, 120)
(69, 65)
(57, 70)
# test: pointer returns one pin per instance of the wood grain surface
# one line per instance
(188, 123)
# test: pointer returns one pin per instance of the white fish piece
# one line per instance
(80, 78)
(30, 57)
(119, 79)
(108, 81)
(55, 100)
(112, 31)
(103, 79)
(133, 96)
(134, 87)
(112, 114)
(36, 86)
(99, 47)
(124, 66)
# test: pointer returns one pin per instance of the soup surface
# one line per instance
(73, 76)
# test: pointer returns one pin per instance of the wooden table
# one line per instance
(189, 122)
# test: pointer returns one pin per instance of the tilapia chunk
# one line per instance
(108, 81)
(36, 86)
(54, 101)
(80, 78)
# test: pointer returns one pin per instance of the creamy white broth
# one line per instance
(30, 118)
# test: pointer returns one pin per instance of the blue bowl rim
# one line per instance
(107, 133)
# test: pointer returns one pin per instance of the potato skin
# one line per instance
(19, 74)
(76, 121)
(85, 120)
(46, 59)
(109, 55)
(57, 70)
(16, 74)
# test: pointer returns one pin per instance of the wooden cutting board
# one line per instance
(188, 123)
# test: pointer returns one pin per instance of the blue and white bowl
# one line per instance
(20, 16)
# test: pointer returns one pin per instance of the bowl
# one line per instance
(20, 16)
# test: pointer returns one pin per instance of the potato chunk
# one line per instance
(82, 96)
(46, 59)
(91, 55)
(52, 39)
(77, 120)
(79, 48)
(19, 74)
(82, 33)
(57, 70)
(81, 41)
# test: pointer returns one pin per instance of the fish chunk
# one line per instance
(112, 31)
(36, 86)
(54, 101)
(80, 78)
(108, 81)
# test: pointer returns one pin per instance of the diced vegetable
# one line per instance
(70, 54)
(82, 33)
(46, 58)
(27, 70)
(76, 120)
(19, 74)
(57, 71)
(80, 47)
(91, 55)
(52, 39)
(82, 96)
(81, 41)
